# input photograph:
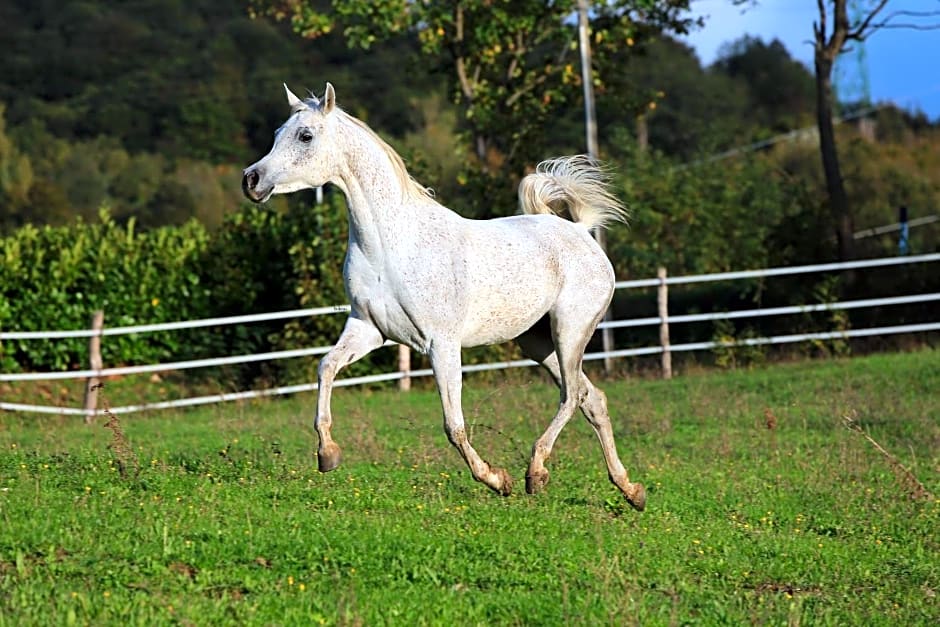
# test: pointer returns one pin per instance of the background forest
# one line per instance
(124, 127)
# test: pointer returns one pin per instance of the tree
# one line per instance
(781, 89)
(831, 39)
(16, 175)
(686, 110)
(511, 66)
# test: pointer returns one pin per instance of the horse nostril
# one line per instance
(251, 180)
(250, 183)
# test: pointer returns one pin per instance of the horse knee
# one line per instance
(327, 368)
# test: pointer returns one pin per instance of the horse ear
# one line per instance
(294, 102)
(329, 99)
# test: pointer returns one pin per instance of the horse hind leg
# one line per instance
(594, 407)
(536, 477)
(537, 344)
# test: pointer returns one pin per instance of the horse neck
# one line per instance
(380, 207)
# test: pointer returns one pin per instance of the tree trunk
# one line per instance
(642, 133)
(838, 201)
(480, 147)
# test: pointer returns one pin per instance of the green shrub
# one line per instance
(55, 278)
(262, 260)
(259, 260)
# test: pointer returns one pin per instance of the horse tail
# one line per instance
(576, 188)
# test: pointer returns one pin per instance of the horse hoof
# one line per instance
(505, 482)
(329, 458)
(637, 496)
(535, 483)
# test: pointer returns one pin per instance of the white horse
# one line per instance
(421, 275)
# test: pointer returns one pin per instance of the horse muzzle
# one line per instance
(251, 186)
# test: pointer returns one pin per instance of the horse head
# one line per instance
(301, 157)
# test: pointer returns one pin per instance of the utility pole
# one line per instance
(584, 41)
(590, 126)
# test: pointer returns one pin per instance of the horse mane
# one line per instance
(411, 187)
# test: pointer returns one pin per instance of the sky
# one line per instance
(903, 64)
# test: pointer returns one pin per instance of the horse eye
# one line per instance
(305, 136)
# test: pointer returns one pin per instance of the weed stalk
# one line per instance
(120, 446)
(915, 488)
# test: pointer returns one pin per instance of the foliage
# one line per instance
(753, 91)
(762, 508)
(157, 121)
(743, 355)
(834, 34)
(780, 90)
(686, 110)
(16, 172)
(54, 278)
(879, 178)
(711, 216)
(153, 107)
(827, 291)
(511, 67)
(433, 152)
(149, 72)
(48, 180)
(257, 261)
(262, 261)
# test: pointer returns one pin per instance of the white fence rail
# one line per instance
(405, 375)
(172, 326)
(897, 226)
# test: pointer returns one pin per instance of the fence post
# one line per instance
(404, 365)
(904, 235)
(95, 363)
(607, 342)
(662, 301)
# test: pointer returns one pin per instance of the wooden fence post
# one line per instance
(607, 342)
(95, 363)
(404, 365)
(662, 300)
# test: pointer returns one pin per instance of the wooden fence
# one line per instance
(404, 374)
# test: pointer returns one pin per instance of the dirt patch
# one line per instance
(775, 587)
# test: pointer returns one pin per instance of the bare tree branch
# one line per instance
(869, 27)
(875, 27)
(895, 14)
(858, 33)
(819, 29)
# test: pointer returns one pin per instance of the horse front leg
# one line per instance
(445, 361)
(357, 340)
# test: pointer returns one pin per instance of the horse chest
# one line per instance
(387, 300)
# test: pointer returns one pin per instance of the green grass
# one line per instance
(228, 522)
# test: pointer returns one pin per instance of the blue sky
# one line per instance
(903, 64)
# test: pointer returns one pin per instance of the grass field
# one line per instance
(763, 508)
